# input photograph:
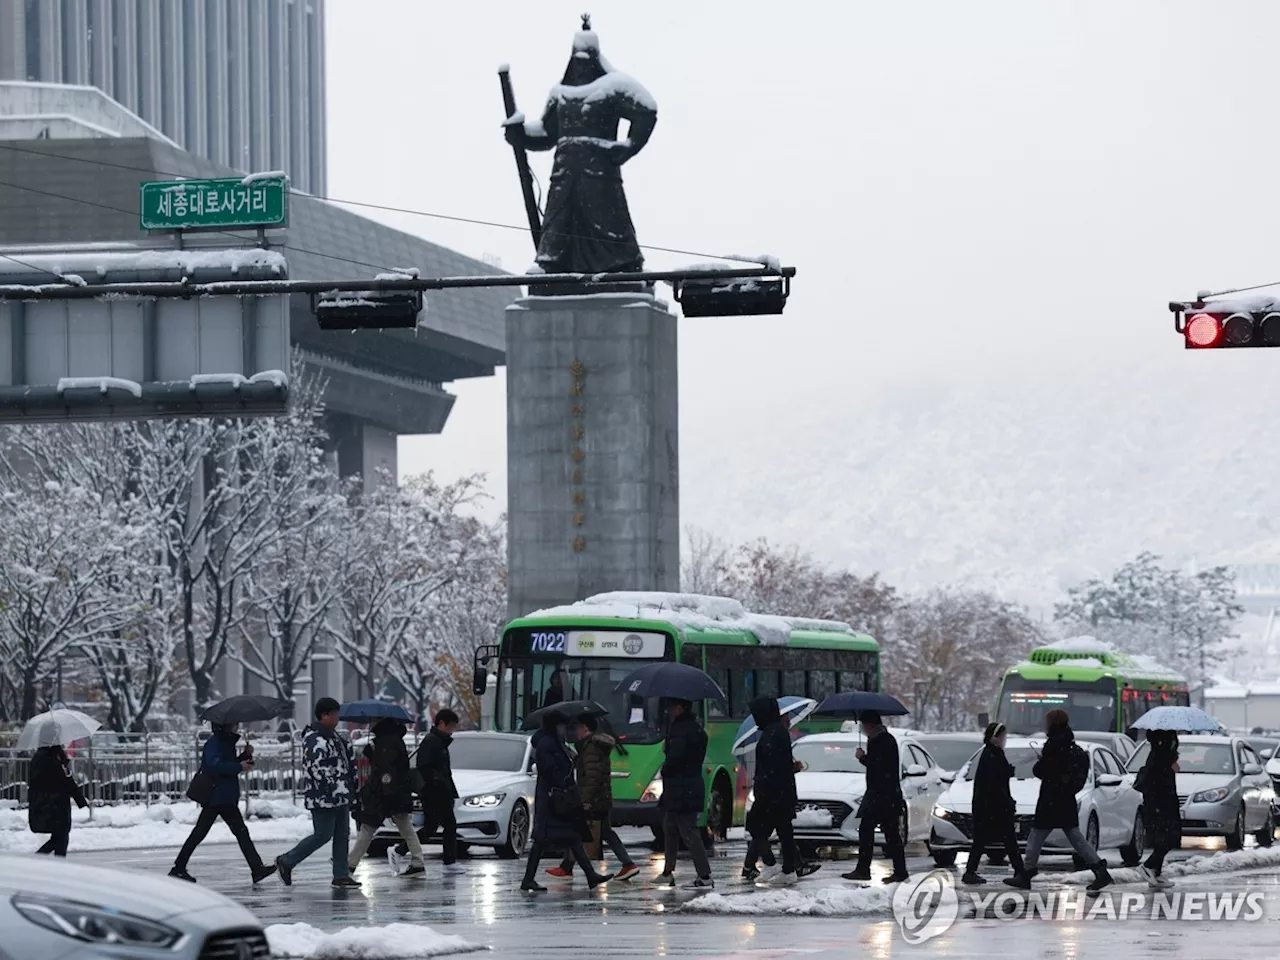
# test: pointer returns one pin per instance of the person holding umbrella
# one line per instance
(557, 807)
(775, 789)
(50, 790)
(1161, 811)
(684, 794)
(331, 788)
(882, 803)
(388, 794)
(594, 766)
(221, 764)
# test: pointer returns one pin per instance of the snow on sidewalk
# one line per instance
(135, 826)
(396, 941)
(846, 901)
(1238, 861)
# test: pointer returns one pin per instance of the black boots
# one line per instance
(1101, 878)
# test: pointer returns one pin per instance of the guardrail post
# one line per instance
(293, 766)
(146, 767)
(93, 783)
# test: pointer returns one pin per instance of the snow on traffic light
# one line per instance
(1218, 324)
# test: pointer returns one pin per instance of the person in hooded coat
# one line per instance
(684, 794)
(222, 761)
(882, 804)
(775, 787)
(1056, 807)
(388, 794)
(594, 765)
(558, 817)
(993, 805)
(50, 790)
(1161, 812)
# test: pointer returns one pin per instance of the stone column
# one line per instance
(592, 448)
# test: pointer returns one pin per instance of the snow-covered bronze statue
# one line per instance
(586, 227)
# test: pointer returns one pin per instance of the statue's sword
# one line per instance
(522, 161)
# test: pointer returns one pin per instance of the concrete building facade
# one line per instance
(238, 82)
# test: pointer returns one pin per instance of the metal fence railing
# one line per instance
(152, 768)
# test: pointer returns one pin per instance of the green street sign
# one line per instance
(233, 203)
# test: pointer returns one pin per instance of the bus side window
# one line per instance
(822, 684)
(767, 684)
(851, 680)
(721, 676)
(741, 692)
(793, 683)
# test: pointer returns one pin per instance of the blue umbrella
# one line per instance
(797, 708)
(362, 711)
(854, 703)
(676, 681)
(1179, 720)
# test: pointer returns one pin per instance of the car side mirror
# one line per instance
(915, 770)
(1109, 780)
(948, 778)
(1252, 769)
(1267, 754)
(480, 681)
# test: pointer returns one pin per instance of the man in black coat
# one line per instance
(438, 789)
(774, 785)
(684, 794)
(994, 808)
(50, 790)
(388, 795)
(882, 803)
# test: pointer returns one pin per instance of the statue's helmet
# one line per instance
(586, 65)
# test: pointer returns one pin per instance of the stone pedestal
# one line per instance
(592, 448)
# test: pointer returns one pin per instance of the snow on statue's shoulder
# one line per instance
(1081, 645)
(612, 83)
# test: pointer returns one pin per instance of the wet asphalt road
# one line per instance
(482, 903)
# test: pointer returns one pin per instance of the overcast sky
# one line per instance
(963, 187)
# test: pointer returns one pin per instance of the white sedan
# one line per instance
(495, 779)
(1108, 806)
(832, 781)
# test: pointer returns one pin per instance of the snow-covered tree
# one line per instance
(407, 544)
(300, 570)
(434, 662)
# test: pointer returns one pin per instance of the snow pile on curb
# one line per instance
(135, 826)
(1239, 861)
(396, 941)
(847, 901)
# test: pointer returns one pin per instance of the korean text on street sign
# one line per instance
(214, 204)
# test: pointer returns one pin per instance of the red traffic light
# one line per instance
(1203, 330)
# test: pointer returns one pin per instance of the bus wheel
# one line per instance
(719, 812)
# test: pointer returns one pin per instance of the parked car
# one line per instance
(1121, 744)
(1108, 806)
(951, 750)
(55, 908)
(1223, 789)
(832, 781)
(495, 779)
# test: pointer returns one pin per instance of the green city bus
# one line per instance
(594, 644)
(1099, 687)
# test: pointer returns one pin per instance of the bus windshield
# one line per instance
(526, 684)
(1090, 704)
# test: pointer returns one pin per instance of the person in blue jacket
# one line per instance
(223, 763)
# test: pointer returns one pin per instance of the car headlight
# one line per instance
(942, 813)
(653, 792)
(1210, 796)
(484, 800)
(94, 924)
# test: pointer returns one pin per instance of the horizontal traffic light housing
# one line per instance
(1206, 329)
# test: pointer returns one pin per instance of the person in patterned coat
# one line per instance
(331, 789)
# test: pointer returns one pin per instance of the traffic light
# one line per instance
(1207, 326)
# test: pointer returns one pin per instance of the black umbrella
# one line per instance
(854, 703)
(246, 708)
(676, 681)
(569, 709)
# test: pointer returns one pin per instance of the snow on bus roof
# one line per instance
(692, 610)
(1081, 645)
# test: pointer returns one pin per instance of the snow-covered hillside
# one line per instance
(1027, 481)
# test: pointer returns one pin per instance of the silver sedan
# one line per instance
(55, 908)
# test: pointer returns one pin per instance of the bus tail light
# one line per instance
(653, 792)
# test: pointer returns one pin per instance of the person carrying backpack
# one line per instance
(1063, 771)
